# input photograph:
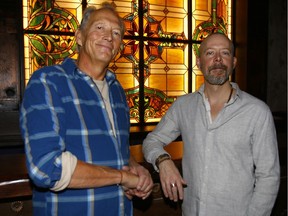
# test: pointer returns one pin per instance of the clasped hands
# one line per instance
(136, 181)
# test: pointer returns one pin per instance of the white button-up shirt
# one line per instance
(231, 165)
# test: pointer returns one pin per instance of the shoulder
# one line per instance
(244, 99)
(253, 102)
(185, 103)
(188, 99)
(54, 72)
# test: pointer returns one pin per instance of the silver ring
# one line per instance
(172, 184)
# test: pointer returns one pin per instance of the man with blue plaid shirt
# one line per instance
(75, 124)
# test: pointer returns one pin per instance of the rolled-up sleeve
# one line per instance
(42, 126)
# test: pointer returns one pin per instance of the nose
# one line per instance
(108, 36)
(218, 57)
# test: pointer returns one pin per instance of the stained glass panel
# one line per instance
(158, 60)
(49, 28)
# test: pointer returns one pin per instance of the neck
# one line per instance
(218, 94)
(95, 71)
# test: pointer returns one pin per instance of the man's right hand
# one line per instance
(171, 180)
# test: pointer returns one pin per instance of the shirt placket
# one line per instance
(206, 169)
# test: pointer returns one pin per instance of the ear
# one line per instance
(234, 62)
(78, 36)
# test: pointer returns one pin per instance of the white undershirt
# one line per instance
(104, 90)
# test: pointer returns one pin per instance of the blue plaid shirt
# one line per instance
(63, 110)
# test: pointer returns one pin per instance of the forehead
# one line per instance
(105, 15)
(217, 41)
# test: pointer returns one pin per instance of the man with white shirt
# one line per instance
(230, 155)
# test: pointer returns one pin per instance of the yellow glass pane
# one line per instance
(175, 56)
(167, 15)
(175, 25)
(158, 2)
(170, 72)
(157, 81)
(199, 81)
(127, 81)
(202, 5)
(175, 82)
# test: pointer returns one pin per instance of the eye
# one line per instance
(209, 52)
(226, 53)
(117, 33)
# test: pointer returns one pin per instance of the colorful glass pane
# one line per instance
(49, 28)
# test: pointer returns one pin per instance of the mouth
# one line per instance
(218, 68)
(215, 67)
(107, 47)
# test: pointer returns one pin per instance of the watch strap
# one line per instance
(162, 158)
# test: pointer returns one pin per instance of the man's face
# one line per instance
(216, 60)
(100, 40)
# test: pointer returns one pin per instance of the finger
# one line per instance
(164, 188)
(174, 193)
(174, 190)
(141, 183)
(145, 184)
(170, 191)
(148, 186)
(180, 191)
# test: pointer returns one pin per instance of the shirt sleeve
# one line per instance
(43, 129)
(267, 168)
(69, 162)
(165, 132)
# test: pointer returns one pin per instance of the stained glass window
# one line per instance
(158, 60)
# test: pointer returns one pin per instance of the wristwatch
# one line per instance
(162, 158)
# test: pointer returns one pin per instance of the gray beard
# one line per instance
(216, 80)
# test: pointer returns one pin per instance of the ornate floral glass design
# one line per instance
(157, 62)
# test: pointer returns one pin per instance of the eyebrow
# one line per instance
(212, 48)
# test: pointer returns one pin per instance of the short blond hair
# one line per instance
(92, 10)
